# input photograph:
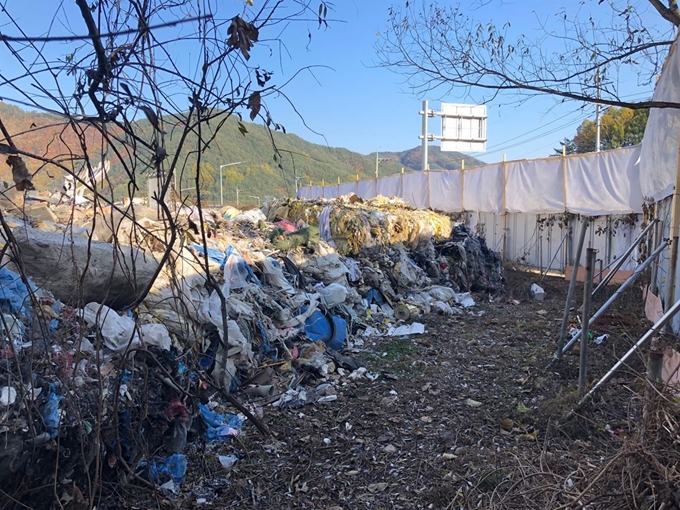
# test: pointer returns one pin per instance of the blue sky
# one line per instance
(353, 103)
(365, 108)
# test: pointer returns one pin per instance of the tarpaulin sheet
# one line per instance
(484, 189)
(390, 186)
(331, 191)
(446, 192)
(347, 188)
(415, 189)
(596, 185)
(603, 183)
(367, 189)
(534, 186)
(659, 155)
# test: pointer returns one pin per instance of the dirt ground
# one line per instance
(466, 415)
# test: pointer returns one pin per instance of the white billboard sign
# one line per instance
(463, 127)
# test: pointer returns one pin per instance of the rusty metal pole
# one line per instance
(588, 288)
(570, 292)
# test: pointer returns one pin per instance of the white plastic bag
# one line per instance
(333, 294)
(155, 334)
(273, 275)
(118, 331)
(235, 272)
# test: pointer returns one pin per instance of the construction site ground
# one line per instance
(464, 416)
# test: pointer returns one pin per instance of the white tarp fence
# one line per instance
(659, 156)
(593, 184)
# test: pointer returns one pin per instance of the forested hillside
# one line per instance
(270, 162)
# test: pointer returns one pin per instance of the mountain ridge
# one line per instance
(258, 175)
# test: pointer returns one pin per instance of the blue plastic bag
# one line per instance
(50, 412)
(14, 296)
(175, 466)
(218, 425)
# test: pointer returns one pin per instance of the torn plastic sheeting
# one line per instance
(285, 318)
(14, 330)
(333, 294)
(8, 396)
(440, 293)
(14, 295)
(332, 332)
(155, 334)
(237, 272)
(174, 466)
(465, 300)
(324, 265)
(407, 273)
(325, 225)
(220, 426)
(253, 216)
(273, 274)
(353, 269)
(214, 254)
(415, 328)
(118, 331)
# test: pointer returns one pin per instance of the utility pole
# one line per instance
(597, 113)
(237, 190)
(377, 162)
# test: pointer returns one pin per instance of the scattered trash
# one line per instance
(537, 293)
(8, 396)
(473, 403)
(415, 328)
(521, 408)
(220, 427)
(227, 461)
(287, 299)
(601, 339)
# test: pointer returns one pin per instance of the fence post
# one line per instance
(504, 217)
(357, 184)
(403, 192)
(323, 188)
(564, 176)
(429, 201)
(585, 323)
(674, 234)
(462, 189)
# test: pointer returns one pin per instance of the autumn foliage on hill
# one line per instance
(49, 138)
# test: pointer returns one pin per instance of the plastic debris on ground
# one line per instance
(292, 290)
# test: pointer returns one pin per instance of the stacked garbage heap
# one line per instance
(263, 308)
(387, 231)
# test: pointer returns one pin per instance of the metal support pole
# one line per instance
(583, 365)
(623, 258)
(651, 333)
(674, 234)
(657, 238)
(638, 271)
(554, 256)
(570, 292)
(598, 121)
(425, 140)
(221, 189)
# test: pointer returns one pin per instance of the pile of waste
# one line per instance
(253, 307)
(353, 225)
